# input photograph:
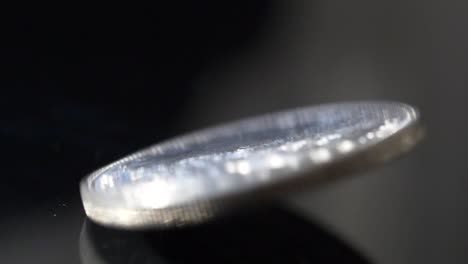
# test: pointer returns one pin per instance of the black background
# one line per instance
(84, 85)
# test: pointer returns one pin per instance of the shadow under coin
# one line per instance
(269, 235)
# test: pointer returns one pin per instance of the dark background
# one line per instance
(84, 85)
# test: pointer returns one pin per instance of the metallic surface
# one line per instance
(194, 177)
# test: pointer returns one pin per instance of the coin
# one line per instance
(204, 174)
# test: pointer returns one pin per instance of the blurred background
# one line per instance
(84, 85)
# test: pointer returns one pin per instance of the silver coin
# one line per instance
(198, 176)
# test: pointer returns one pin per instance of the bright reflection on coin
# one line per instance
(192, 178)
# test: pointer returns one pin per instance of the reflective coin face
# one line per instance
(195, 177)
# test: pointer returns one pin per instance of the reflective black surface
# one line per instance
(270, 234)
(267, 235)
(83, 86)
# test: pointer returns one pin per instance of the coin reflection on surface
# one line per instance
(268, 235)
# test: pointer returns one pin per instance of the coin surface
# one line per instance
(195, 177)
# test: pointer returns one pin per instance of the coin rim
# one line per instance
(198, 211)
